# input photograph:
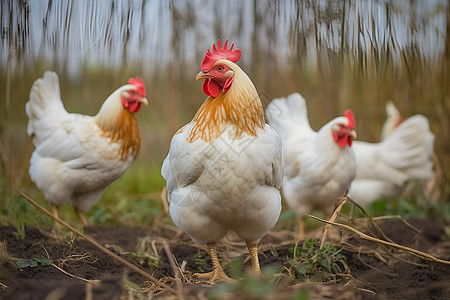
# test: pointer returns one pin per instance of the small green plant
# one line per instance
(146, 253)
(22, 212)
(310, 262)
(200, 260)
(33, 262)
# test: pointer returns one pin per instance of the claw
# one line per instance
(217, 273)
(214, 276)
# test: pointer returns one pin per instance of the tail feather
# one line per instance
(410, 147)
(393, 120)
(288, 114)
(44, 107)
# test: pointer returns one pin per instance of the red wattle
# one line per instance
(212, 87)
(342, 141)
(135, 106)
(205, 87)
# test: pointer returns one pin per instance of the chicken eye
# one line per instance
(220, 68)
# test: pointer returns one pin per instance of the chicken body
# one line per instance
(404, 155)
(318, 167)
(224, 169)
(227, 184)
(78, 156)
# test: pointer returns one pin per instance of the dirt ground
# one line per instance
(77, 270)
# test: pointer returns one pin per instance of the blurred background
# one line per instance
(337, 54)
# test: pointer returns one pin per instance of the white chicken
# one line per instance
(78, 156)
(319, 166)
(405, 154)
(224, 169)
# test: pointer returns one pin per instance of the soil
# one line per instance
(376, 272)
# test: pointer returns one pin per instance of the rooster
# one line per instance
(405, 154)
(78, 156)
(224, 169)
(319, 165)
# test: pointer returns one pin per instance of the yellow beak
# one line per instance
(202, 75)
(353, 134)
(143, 100)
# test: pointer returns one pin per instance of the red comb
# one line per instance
(220, 52)
(139, 84)
(351, 118)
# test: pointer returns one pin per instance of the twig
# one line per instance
(88, 292)
(178, 284)
(94, 281)
(100, 247)
(376, 269)
(341, 201)
(394, 245)
(398, 217)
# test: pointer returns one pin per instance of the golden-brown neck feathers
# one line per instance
(239, 106)
(119, 124)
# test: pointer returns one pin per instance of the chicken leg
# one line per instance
(301, 229)
(81, 217)
(54, 209)
(217, 273)
(253, 249)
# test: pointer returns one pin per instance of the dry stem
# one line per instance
(100, 247)
(375, 240)
(175, 270)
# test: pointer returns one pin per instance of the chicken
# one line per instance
(224, 169)
(78, 156)
(404, 155)
(319, 166)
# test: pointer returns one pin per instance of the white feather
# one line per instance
(227, 184)
(384, 168)
(317, 170)
(73, 160)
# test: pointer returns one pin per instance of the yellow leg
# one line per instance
(301, 229)
(253, 249)
(54, 209)
(81, 217)
(217, 273)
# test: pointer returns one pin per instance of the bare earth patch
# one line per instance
(74, 269)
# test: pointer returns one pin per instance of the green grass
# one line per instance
(310, 263)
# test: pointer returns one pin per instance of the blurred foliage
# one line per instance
(248, 285)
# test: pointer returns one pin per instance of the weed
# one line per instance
(200, 260)
(311, 263)
(33, 262)
(146, 253)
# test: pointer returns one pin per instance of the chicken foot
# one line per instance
(217, 273)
